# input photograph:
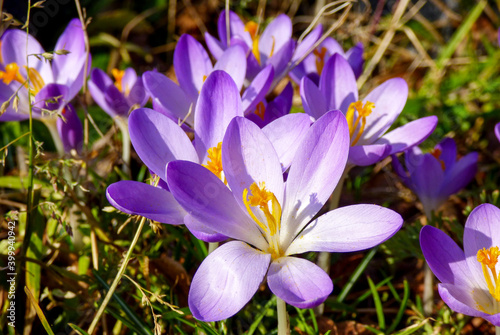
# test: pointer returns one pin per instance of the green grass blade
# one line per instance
(78, 329)
(378, 304)
(402, 307)
(270, 304)
(39, 312)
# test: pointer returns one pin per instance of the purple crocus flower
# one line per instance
(436, 175)
(270, 220)
(52, 84)
(312, 66)
(192, 66)
(497, 131)
(117, 97)
(469, 277)
(158, 140)
(265, 112)
(369, 118)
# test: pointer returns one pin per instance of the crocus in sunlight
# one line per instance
(117, 97)
(158, 140)
(469, 278)
(369, 118)
(270, 220)
(436, 175)
(52, 84)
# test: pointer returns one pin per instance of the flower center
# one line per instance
(118, 75)
(488, 259)
(268, 204)
(260, 110)
(320, 59)
(252, 27)
(12, 73)
(214, 163)
(437, 153)
(363, 112)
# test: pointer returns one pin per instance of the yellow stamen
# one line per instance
(272, 46)
(260, 110)
(36, 80)
(11, 73)
(118, 75)
(488, 259)
(363, 112)
(1, 58)
(252, 28)
(214, 163)
(320, 59)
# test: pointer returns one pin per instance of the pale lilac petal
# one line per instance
(482, 230)
(233, 61)
(70, 129)
(214, 45)
(364, 155)
(218, 104)
(299, 282)
(280, 59)
(226, 281)
(137, 94)
(137, 198)
(166, 95)
(445, 258)
(68, 69)
(307, 43)
(201, 231)
(355, 58)
(462, 300)
(313, 99)
(347, 229)
(286, 134)
(158, 140)
(314, 172)
(14, 51)
(497, 131)
(257, 89)
(413, 133)
(129, 78)
(205, 197)
(338, 84)
(191, 64)
(332, 47)
(389, 99)
(248, 157)
(276, 35)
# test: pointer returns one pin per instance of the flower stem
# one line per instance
(212, 246)
(497, 330)
(283, 323)
(51, 124)
(119, 275)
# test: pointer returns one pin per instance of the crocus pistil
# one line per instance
(488, 259)
(363, 112)
(214, 163)
(118, 75)
(436, 152)
(320, 59)
(260, 198)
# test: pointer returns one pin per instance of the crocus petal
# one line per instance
(248, 157)
(497, 131)
(299, 282)
(276, 35)
(226, 280)
(233, 61)
(461, 299)
(236, 27)
(307, 43)
(445, 258)
(137, 95)
(389, 99)
(165, 94)
(116, 101)
(482, 230)
(427, 178)
(257, 90)
(460, 175)
(137, 198)
(201, 231)
(98, 84)
(219, 103)
(448, 152)
(68, 69)
(158, 140)
(314, 172)
(364, 155)
(215, 46)
(205, 197)
(70, 129)
(286, 134)
(347, 229)
(14, 51)
(191, 64)
(355, 58)
(313, 99)
(52, 97)
(338, 84)
(280, 59)
(413, 133)
(400, 171)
